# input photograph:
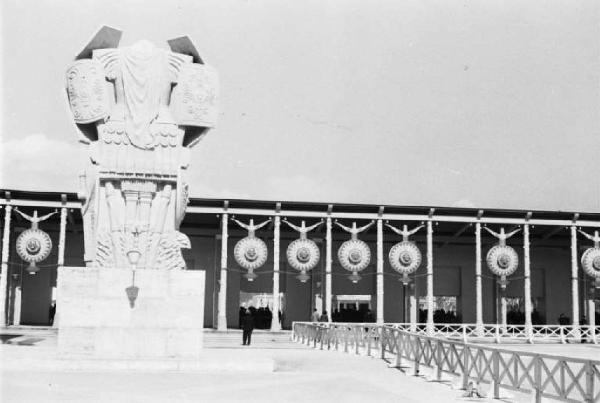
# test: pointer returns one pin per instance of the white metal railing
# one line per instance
(542, 375)
(500, 333)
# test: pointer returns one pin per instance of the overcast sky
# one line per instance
(445, 103)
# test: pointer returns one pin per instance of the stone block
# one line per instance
(186, 283)
(78, 340)
(183, 316)
(78, 283)
(184, 343)
(81, 311)
(166, 320)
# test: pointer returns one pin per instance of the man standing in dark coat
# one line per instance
(247, 326)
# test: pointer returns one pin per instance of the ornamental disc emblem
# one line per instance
(303, 254)
(250, 252)
(502, 260)
(590, 261)
(405, 257)
(354, 255)
(33, 245)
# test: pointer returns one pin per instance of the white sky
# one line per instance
(435, 103)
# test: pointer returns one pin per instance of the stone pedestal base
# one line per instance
(97, 319)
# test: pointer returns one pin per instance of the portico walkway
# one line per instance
(300, 374)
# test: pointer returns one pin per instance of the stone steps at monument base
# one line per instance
(260, 339)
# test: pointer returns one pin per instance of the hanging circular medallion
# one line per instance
(250, 252)
(354, 255)
(33, 245)
(303, 254)
(502, 260)
(405, 257)
(590, 260)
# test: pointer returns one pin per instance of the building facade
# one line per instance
(453, 283)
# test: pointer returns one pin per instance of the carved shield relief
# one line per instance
(87, 92)
(194, 98)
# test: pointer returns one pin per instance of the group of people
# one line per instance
(262, 316)
(352, 314)
(440, 316)
(344, 315)
(252, 318)
(319, 317)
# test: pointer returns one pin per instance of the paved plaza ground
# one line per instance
(298, 374)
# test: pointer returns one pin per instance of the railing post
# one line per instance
(417, 357)
(562, 335)
(537, 376)
(465, 362)
(399, 344)
(464, 333)
(322, 337)
(438, 360)
(381, 343)
(496, 374)
(346, 332)
(497, 333)
(589, 382)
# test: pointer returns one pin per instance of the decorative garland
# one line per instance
(354, 255)
(405, 257)
(590, 261)
(502, 260)
(250, 252)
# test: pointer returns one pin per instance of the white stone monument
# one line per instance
(139, 109)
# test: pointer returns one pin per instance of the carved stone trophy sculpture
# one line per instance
(405, 257)
(354, 255)
(590, 260)
(140, 109)
(303, 253)
(34, 245)
(251, 252)
(502, 259)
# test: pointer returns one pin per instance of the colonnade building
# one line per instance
(452, 284)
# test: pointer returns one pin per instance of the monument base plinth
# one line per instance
(101, 317)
